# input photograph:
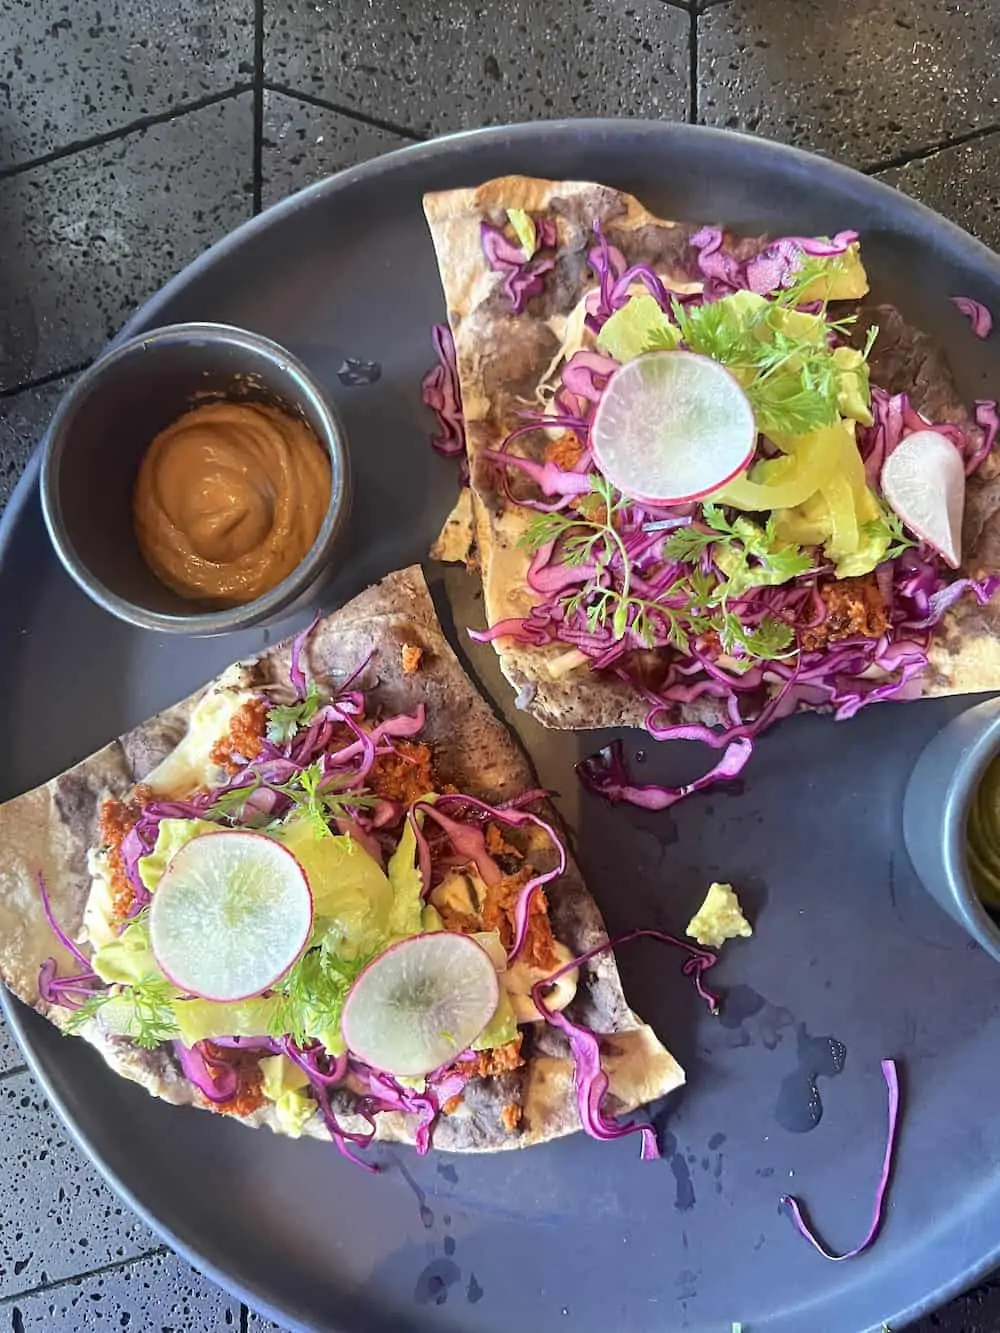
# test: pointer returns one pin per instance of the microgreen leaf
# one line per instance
(319, 799)
(311, 996)
(888, 524)
(781, 356)
(145, 1011)
(284, 720)
(232, 804)
(770, 639)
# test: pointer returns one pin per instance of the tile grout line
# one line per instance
(374, 121)
(12, 1072)
(693, 72)
(42, 380)
(144, 123)
(920, 154)
(258, 105)
(115, 1267)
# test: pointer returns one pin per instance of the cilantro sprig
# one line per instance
(311, 996)
(788, 372)
(741, 555)
(889, 523)
(284, 720)
(232, 804)
(749, 556)
(320, 798)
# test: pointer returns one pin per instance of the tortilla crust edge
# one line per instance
(964, 654)
(51, 827)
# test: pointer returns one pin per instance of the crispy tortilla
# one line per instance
(501, 359)
(965, 650)
(50, 829)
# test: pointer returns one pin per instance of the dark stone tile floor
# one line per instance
(134, 133)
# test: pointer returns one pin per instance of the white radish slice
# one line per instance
(230, 916)
(420, 1004)
(672, 427)
(924, 481)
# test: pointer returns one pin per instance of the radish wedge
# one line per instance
(418, 1005)
(672, 427)
(924, 481)
(230, 916)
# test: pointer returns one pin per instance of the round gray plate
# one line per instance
(578, 1234)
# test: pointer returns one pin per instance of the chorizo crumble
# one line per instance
(854, 609)
(412, 655)
(116, 820)
(404, 775)
(249, 1095)
(245, 738)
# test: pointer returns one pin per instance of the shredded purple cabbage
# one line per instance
(71, 991)
(215, 1079)
(606, 774)
(296, 670)
(842, 676)
(514, 818)
(381, 1092)
(797, 1212)
(767, 271)
(69, 945)
(523, 277)
(987, 418)
(978, 315)
(441, 391)
(590, 1080)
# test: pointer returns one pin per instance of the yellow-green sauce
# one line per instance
(982, 835)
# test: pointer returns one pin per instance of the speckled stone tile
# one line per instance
(160, 1294)
(57, 1217)
(978, 1312)
(258, 1324)
(84, 239)
(453, 64)
(73, 69)
(10, 1053)
(303, 143)
(963, 183)
(23, 420)
(863, 80)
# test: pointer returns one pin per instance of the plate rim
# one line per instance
(969, 249)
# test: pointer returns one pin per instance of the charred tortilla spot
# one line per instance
(905, 360)
(981, 527)
(578, 213)
(745, 247)
(77, 800)
(660, 247)
(562, 285)
(149, 745)
(509, 358)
